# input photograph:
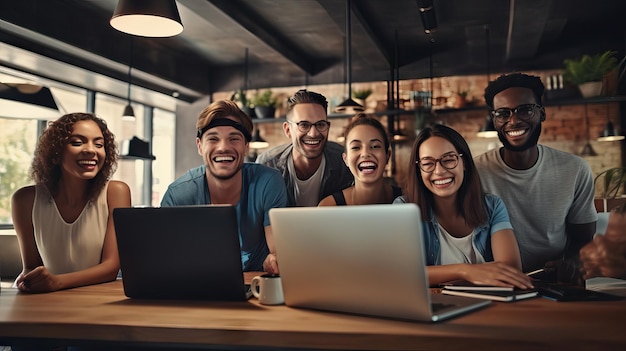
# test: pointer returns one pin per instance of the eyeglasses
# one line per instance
(525, 112)
(447, 161)
(304, 126)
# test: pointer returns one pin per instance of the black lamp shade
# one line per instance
(349, 107)
(488, 130)
(257, 142)
(20, 100)
(610, 133)
(129, 113)
(147, 18)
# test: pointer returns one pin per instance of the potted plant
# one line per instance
(264, 104)
(588, 72)
(612, 184)
(361, 95)
(239, 96)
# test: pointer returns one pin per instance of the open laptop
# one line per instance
(359, 259)
(185, 252)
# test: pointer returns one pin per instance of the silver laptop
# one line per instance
(359, 259)
(185, 252)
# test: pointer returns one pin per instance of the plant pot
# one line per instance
(590, 89)
(265, 111)
(249, 111)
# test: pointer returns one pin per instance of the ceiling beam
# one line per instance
(248, 19)
(523, 39)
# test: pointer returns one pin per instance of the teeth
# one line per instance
(442, 181)
(223, 158)
(87, 162)
(516, 132)
(367, 164)
(311, 142)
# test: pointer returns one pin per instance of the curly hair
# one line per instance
(518, 80)
(470, 197)
(46, 166)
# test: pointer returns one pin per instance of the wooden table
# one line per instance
(101, 313)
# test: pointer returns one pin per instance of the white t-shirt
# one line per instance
(306, 192)
(458, 250)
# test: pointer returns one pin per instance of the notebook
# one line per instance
(185, 252)
(359, 259)
(496, 295)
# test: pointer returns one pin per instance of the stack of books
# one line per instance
(496, 293)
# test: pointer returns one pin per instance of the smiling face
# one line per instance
(365, 154)
(518, 134)
(311, 144)
(441, 182)
(223, 150)
(84, 154)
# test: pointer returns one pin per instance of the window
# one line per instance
(18, 138)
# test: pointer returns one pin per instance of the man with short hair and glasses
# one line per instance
(548, 193)
(312, 167)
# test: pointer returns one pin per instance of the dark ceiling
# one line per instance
(301, 42)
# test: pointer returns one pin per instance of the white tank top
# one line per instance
(69, 247)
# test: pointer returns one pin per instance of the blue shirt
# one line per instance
(497, 219)
(262, 189)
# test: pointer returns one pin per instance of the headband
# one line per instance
(225, 122)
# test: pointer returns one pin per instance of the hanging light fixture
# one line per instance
(488, 130)
(427, 13)
(349, 106)
(588, 149)
(257, 142)
(129, 113)
(610, 133)
(25, 100)
(147, 18)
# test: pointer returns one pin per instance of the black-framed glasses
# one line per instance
(447, 161)
(304, 126)
(525, 112)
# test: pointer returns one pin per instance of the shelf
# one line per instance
(398, 112)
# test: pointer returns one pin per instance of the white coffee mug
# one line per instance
(268, 288)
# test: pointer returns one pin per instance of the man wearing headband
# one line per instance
(548, 193)
(312, 167)
(223, 134)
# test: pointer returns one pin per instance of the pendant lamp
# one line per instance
(257, 142)
(488, 129)
(147, 18)
(25, 100)
(129, 113)
(349, 106)
(588, 150)
(610, 133)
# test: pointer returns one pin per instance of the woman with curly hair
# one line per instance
(64, 222)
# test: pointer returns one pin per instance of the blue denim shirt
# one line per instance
(498, 219)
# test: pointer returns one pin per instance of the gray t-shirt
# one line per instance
(557, 190)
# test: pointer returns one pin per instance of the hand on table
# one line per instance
(497, 274)
(603, 257)
(37, 280)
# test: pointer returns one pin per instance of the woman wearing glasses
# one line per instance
(467, 233)
(367, 153)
